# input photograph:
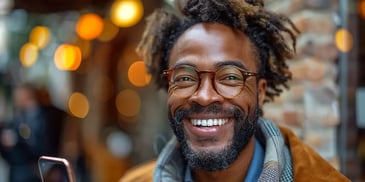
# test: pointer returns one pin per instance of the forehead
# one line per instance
(206, 45)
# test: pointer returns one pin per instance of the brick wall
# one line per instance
(310, 107)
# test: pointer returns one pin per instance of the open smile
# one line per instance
(207, 128)
(209, 122)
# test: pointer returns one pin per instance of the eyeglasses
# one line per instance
(228, 81)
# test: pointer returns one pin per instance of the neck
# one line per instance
(235, 172)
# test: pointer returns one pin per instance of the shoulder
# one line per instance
(308, 164)
(141, 173)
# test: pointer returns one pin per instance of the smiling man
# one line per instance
(220, 61)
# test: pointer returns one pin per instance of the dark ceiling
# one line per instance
(48, 6)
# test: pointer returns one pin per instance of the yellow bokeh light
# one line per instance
(126, 13)
(343, 40)
(67, 57)
(137, 74)
(78, 105)
(28, 54)
(109, 32)
(40, 36)
(128, 103)
(89, 26)
(361, 7)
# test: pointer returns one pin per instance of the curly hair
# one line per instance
(265, 29)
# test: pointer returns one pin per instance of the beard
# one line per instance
(244, 128)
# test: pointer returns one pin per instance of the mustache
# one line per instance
(236, 112)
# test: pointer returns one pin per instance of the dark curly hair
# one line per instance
(265, 29)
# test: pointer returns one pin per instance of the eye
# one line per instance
(184, 78)
(231, 77)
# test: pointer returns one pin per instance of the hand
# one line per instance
(8, 138)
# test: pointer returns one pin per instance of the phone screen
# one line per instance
(54, 169)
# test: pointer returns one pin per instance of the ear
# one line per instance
(262, 91)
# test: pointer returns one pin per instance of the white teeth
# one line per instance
(208, 122)
(204, 122)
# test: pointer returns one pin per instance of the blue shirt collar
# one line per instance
(255, 169)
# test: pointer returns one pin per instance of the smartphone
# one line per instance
(55, 169)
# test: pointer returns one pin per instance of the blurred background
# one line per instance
(78, 57)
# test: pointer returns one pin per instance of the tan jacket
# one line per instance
(307, 164)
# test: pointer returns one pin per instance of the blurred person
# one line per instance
(219, 61)
(35, 131)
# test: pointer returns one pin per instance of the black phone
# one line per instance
(55, 169)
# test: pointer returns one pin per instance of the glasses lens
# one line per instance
(184, 81)
(229, 81)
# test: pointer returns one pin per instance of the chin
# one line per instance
(209, 155)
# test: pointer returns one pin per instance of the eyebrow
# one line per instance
(183, 64)
(237, 63)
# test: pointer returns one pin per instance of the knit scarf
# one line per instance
(277, 163)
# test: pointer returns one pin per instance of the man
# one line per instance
(220, 60)
(35, 131)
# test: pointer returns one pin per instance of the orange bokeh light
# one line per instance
(89, 26)
(361, 7)
(78, 105)
(128, 103)
(40, 36)
(28, 54)
(343, 40)
(137, 74)
(67, 57)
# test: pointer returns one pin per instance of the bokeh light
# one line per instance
(24, 131)
(28, 54)
(110, 30)
(361, 7)
(343, 40)
(89, 26)
(137, 74)
(67, 57)
(126, 13)
(40, 36)
(128, 103)
(78, 105)
(119, 144)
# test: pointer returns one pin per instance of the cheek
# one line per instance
(246, 99)
(174, 103)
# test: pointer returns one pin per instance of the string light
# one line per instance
(126, 13)
(28, 54)
(343, 40)
(137, 74)
(40, 36)
(67, 57)
(78, 105)
(89, 26)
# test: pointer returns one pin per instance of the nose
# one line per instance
(206, 93)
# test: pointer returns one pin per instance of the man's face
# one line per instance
(207, 47)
